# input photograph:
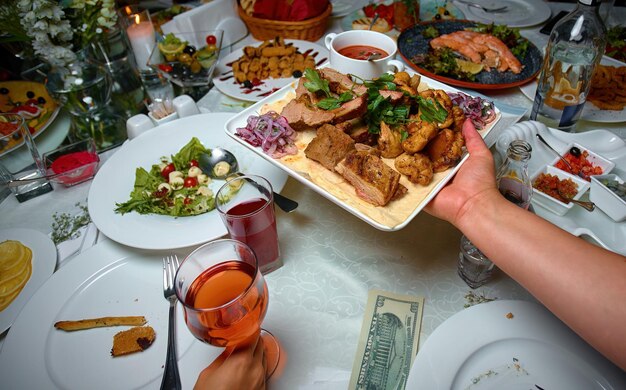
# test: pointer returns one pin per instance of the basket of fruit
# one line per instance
(187, 59)
(289, 19)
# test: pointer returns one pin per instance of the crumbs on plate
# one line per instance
(509, 315)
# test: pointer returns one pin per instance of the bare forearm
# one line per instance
(579, 282)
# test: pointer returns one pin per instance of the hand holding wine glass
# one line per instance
(225, 297)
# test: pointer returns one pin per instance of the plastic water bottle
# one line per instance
(574, 49)
(514, 184)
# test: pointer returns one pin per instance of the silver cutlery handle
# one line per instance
(171, 378)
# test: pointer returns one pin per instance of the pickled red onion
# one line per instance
(480, 111)
(271, 132)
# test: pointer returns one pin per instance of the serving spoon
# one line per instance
(209, 162)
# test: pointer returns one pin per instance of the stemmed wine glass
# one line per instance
(225, 297)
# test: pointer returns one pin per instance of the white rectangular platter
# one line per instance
(392, 217)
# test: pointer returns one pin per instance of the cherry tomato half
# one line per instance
(166, 67)
(211, 40)
(193, 163)
(169, 168)
(190, 182)
(187, 201)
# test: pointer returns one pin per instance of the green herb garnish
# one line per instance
(430, 32)
(315, 83)
(66, 226)
(332, 103)
(431, 110)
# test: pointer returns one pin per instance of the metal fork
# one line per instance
(480, 6)
(171, 378)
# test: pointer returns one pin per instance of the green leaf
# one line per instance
(191, 151)
(431, 110)
(333, 103)
(315, 83)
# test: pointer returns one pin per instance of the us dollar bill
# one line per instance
(388, 341)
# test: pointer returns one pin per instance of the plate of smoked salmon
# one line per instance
(469, 54)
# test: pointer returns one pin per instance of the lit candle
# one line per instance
(142, 39)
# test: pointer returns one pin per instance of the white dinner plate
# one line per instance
(590, 112)
(509, 345)
(43, 263)
(105, 280)
(579, 222)
(115, 180)
(519, 13)
(334, 187)
(225, 82)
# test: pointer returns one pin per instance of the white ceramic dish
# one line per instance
(553, 204)
(106, 280)
(115, 181)
(43, 263)
(606, 199)
(225, 82)
(595, 226)
(590, 112)
(519, 13)
(392, 217)
(594, 158)
(482, 348)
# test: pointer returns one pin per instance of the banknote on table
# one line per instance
(388, 341)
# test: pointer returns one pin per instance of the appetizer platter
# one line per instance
(470, 55)
(604, 90)
(32, 101)
(383, 169)
(254, 72)
(386, 22)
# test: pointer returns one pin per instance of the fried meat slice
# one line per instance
(373, 180)
(445, 150)
(329, 146)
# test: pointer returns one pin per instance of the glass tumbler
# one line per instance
(246, 205)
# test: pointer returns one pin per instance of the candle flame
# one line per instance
(137, 18)
(128, 10)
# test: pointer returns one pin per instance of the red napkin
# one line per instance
(289, 10)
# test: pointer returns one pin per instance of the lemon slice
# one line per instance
(171, 48)
(469, 67)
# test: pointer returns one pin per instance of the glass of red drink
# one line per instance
(246, 205)
(225, 297)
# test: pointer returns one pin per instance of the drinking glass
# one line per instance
(246, 205)
(225, 297)
(24, 162)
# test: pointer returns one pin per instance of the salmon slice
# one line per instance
(480, 48)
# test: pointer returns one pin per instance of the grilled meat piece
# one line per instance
(416, 167)
(420, 133)
(355, 108)
(339, 82)
(302, 114)
(329, 146)
(389, 142)
(373, 180)
(445, 149)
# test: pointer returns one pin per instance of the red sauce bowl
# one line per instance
(74, 163)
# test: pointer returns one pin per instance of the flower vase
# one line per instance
(84, 89)
(112, 50)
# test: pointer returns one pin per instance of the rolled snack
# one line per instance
(90, 323)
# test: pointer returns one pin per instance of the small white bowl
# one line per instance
(594, 158)
(607, 200)
(550, 203)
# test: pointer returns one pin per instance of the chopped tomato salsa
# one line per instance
(579, 164)
(553, 186)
